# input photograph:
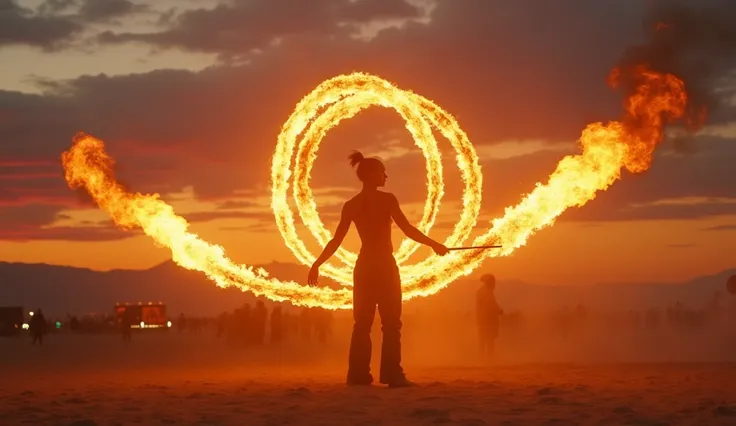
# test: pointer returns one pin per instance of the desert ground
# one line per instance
(595, 376)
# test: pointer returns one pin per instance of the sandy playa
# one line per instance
(195, 379)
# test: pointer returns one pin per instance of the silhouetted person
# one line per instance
(290, 325)
(37, 327)
(653, 318)
(731, 304)
(243, 325)
(260, 316)
(277, 325)
(181, 323)
(305, 324)
(125, 322)
(74, 324)
(322, 324)
(376, 275)
(487, 313)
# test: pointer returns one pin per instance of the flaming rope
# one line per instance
(606, 149)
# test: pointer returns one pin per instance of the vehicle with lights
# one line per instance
(145, 316)
(11, 320)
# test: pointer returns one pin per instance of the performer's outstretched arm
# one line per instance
(342, 229)
(411, 231)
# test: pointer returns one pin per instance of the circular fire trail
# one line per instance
(606, 150)
(348, 96)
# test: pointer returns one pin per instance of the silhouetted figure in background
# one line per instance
(222, 323)
(260, 316)
(322, 319)
(487, 313)
(125, 322)
(181, 322)
(653, 318)
(37, 327)
(74, 325)
(244, 328)
(376, 275)
(291, 326)
(305, 324)
(277, 325)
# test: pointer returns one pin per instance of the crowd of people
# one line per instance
(257, 325)
(246, 326)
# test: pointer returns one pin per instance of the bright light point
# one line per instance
(143, 324)
(30, 313)
(25, 326)
(168, 323)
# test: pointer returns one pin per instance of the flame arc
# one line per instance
(369, 90)
(606, 150)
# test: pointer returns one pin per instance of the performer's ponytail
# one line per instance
(355, 158)
(366, 166)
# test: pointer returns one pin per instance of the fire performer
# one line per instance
(376, 274)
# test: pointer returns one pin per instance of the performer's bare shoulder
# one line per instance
(377, 196)
(349, 207)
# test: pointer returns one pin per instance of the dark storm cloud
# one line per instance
(57, 23)
(207, 216)
(27, 215)
(503, 65)
(243, 25)
(20, 26)
(694, 40)
(64, 233)
(362, 11)
(52, 7)
(105, 10)
(507, 70)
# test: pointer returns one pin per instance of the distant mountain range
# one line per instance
(60, 290)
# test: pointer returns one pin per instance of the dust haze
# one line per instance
(438, 332)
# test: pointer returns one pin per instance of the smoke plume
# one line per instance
(694, 40)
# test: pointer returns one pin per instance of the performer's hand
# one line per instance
(313, 277)
(440, 249)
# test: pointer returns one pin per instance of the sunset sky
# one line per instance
(189, 97)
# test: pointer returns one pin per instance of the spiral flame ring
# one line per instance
(346, 96)
(606, 149)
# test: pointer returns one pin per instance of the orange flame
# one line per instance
(606, 149)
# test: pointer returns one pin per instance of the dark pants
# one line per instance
(37, 337)
(376, 284)
(487, 333)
